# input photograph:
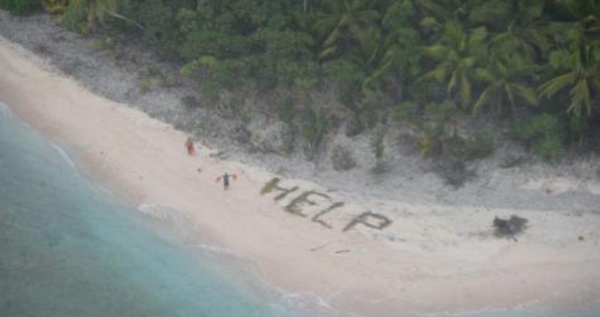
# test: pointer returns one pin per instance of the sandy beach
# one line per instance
(372, 256)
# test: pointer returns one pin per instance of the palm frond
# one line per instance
(437, 51)
(369, 43)
(455, 33)
(484, 98)
(527, 93)
(478, 35)
(433, 8)
(327, 52)
(469, 61)
(580, 95)
(368, 16)
(484, 74)
(453, 82)
(438, 73)
(465, 90)
(509, 94)
(551, 87)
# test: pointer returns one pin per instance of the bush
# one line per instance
(540, 134)
(408, 111)
(549, 146)
(481, 146)
(342, 159)
(286, 111)
(378, 145)
(145, 86)
(432, 144)
(315, 126)
(21, 7)
(270, 185)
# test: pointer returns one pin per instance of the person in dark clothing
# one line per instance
(225, 181)
(225, 178)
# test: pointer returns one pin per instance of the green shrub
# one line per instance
(270, 185)
(315, 126)
(286, 112)
(437, 145)
(145, 86)
(342, 158)
(407, 111)
(21, 7)
(549, 146)
(431, 144)
(482, 146)
(540, 134)
(74, 18)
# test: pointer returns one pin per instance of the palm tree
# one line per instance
(367, 49)
(579, 65)
(513, 51)
(341, 20)
(503, 77)
(457, 55)
(523, 35)
(401, 43)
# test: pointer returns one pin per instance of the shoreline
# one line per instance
(422, 262)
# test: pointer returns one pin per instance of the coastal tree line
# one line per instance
(532, 65)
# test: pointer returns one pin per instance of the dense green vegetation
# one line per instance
(534, 64)
(21, 7)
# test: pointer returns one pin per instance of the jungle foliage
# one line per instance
(536, 62)
(21, 7)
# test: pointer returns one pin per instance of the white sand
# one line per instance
(432, 258)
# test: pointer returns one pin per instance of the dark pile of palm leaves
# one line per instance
(509, 228)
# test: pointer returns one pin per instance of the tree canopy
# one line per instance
(494, 56)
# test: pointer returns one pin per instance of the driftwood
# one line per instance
(511, 227)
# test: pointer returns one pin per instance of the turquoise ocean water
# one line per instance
(69, 248)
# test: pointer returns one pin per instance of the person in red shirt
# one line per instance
(189, 145)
